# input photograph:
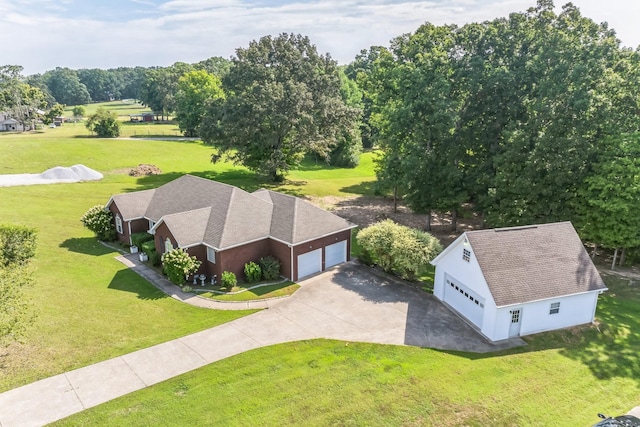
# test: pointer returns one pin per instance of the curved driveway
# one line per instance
(347, 303)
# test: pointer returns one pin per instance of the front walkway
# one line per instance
(346, 303)
(174, 291)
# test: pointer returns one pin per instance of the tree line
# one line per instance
(528, 119)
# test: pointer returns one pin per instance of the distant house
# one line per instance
(144, 117)
(510, 282)
(226, 227)
(7, 123)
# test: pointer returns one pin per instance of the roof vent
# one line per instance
(524, 227)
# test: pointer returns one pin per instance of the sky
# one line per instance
(43, 34)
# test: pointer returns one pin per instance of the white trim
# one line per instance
(448, 249)
(598, 291)
(213, 261)
(324, 235)
(118, 221)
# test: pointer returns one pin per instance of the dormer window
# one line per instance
(466, 255)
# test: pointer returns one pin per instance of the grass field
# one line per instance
(91, 308)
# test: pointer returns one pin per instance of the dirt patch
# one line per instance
(364, 211)
(144, 170)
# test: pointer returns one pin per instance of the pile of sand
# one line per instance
(75, 173)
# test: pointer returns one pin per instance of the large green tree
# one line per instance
(196, 89)
(65, 86)
(21, 100)
(415, 111)
(609, 199)
(159, 88)
(283, 101)
(509, 114)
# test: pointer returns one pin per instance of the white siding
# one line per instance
(574, 310)
(466, 273)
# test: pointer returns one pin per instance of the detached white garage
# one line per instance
(517, 281)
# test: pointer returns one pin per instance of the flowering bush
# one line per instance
(399, 249)
(99, 220)
(178, 264)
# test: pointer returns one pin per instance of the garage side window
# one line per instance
(211, 255)
(554, 308)
(466, 254)
(118, 224)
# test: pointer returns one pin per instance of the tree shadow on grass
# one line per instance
(365, 188)
(85, 245)
(129, 281)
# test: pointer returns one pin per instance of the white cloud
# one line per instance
(192, 30)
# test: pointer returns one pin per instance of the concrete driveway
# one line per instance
(352, 303)
(347, 303)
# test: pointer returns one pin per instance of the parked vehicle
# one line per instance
(619, 421)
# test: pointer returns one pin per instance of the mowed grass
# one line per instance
(277, 290)
(560, 379)
(89, 307)
(121, 108)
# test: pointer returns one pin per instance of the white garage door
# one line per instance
(465, 301)
(335, 254)
(309, 263)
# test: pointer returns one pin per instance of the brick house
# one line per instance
(226, 227)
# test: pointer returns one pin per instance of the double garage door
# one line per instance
(311, 262)
(464, 301)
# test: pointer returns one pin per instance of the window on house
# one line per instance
(211, 255)
(151, 224)
(119, 224)
(168, 246)
(555, 308)
(466, 254)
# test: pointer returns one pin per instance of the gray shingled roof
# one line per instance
(523, 264)
(295, 220)
(198, 210)
(133, 205)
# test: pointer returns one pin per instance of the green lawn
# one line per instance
(561, 379)
(122, 108)
(89, 307)
(263, 292)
